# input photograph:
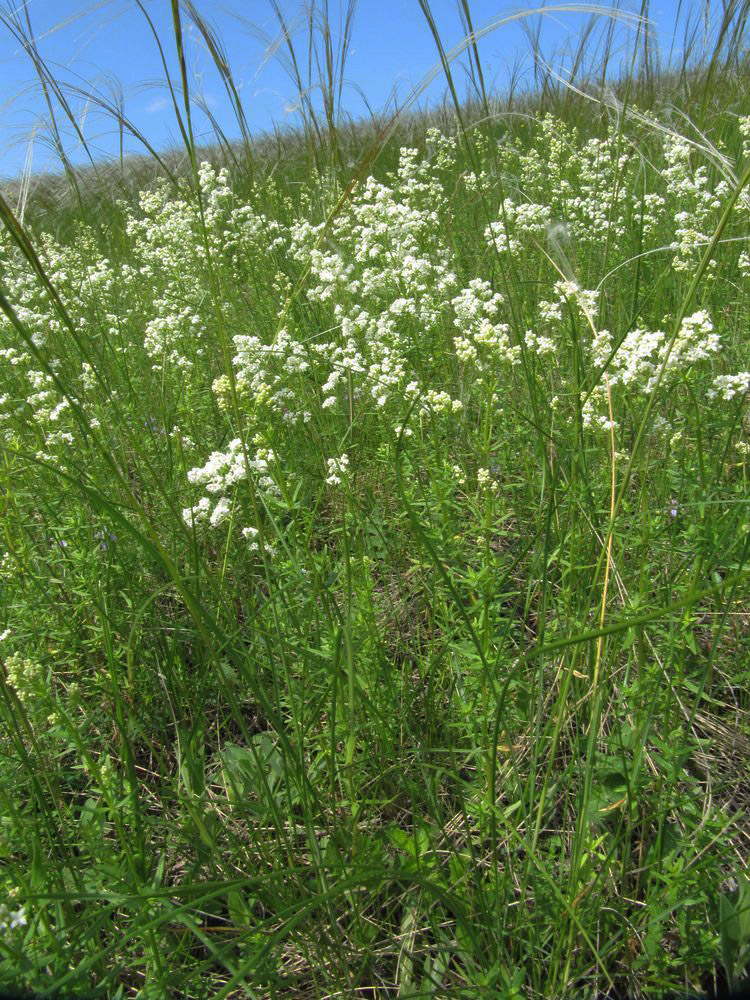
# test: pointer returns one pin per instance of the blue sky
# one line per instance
(106, 46)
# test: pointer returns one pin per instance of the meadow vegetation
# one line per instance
(374, 561)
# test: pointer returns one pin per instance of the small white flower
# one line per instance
(485, 480)
(10, 919)
(220, 512)
(729, 386)
(337, 469)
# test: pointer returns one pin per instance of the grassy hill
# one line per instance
(374, 569)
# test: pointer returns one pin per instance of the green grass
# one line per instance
(451, 699)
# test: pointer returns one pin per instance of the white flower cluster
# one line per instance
(439, 401)
(168, 271)
(337, 469)
(252, 535)
(485, 481)
(383, 246)
(729, 386)
(522, 219)
(11, 919)
(223, 471)
(696, 341)
(482, 341)
(441, 149)
(593, 406)
(265, 373)
(83, 280)
(365, 339)
(34, 401)
(598, 207)
(643, 352)
(744, 127)
(691, 188)
(216, 192)
(168, 332)
(539, 344)
(45, 400)
(167, 274)
(27, 677)
(585, 299)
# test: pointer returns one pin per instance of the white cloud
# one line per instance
(158, 104)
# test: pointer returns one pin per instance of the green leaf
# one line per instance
(729, 933)
(239, 911)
